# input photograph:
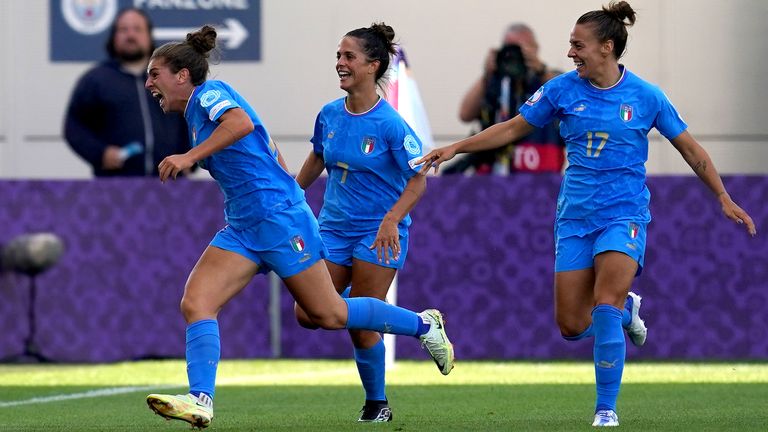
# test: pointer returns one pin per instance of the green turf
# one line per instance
(288, 395)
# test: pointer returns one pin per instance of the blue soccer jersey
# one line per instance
(369, 157)
(248, 172)
(606, 135)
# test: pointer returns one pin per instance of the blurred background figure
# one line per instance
(511, 74)
(112, 121)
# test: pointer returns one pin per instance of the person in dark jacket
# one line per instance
(112, 121)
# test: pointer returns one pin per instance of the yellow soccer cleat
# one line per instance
(436, 341)
(197, 412)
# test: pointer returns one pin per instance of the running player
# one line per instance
(269, 227)
(368, 150)
(606, 112)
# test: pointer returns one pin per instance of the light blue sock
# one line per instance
(626, 312)
(609, 351)
(203, 352)
(370, 365)
(589, 332)
(367, 313)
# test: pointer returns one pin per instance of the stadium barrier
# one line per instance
(481, 251)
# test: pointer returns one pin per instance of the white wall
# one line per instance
(708, 55)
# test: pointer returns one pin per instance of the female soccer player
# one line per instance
(368, 150)
(269, 227)
(606, 113)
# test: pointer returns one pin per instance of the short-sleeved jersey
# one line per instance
(369, 157)
(606, 136)
(248, 172)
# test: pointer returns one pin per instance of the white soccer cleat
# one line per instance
(197, 412)
(375, 412)
(636, 331)
(606, 418)
(436, 341)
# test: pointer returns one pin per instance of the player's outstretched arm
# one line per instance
(698, 159)
(495, 136)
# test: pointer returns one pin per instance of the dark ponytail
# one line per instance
(377, 42)
(192, 54)
(611, 23)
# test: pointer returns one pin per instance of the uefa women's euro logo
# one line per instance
(89, 16)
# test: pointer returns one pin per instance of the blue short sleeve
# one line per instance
(668, 121)
(216, 100)
(317, 136)
(539, 110)
(406, 147)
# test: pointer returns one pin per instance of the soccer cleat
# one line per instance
(182, 407)
(606, 418)
(436, 341)
(636, 331)
(375, 412)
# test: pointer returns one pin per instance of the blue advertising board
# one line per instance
(80, 28)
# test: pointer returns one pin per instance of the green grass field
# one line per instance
(286, 395)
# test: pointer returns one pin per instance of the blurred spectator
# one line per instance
(112, 121)
(511, 74)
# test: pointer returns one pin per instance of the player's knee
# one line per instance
(195, 308)
(570, 329)
(188, 308)
(328, 319)
(303, 319)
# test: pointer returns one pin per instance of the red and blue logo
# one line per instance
(367, 145)
(626, 112)
(297, 243)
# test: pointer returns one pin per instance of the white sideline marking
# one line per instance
(247, 379)
(84, 395)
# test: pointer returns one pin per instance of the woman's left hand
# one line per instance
(736, 213)
(387, 239)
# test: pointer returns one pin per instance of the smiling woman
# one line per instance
(365, 145)
(606, 113)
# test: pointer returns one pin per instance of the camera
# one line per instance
(510, 62)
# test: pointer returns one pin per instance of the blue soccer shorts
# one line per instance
(287, 242)
(577, 242)
(343, 247)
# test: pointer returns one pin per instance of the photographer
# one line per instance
(511, 74)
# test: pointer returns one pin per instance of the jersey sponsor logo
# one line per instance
(297, 243)
(218, 107)
(411, 145)
(535, 97)
(634, 229)
(209, 97)
(580, 108)
(89, 16)
(626, 112)
(367, 145)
